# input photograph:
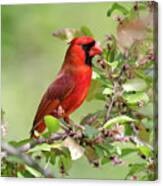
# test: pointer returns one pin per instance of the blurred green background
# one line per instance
(31, 58)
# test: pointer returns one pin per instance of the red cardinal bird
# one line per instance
(71, 85)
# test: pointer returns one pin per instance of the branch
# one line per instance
(27, 159)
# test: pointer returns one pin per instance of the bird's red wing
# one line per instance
(57, 91)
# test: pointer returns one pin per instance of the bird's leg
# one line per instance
(76, 130)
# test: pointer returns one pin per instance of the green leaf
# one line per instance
(52, 123)
(145, 151)
(107, 146)
(41, 147)
(118, 150)
(148, 123)
(147, 110)
(143, 134)
(19, 143)
(53, 158)
(136, 168)
(86, 31)
(119, 119)
(46, 134)
(95, 75)
(45, 147)
(127, 151)
(134, 98)
(117, 6)
(46, 155)
(141, 74)
(33, 171)
(136, 84)
(105, 160)
(90, 132)
(114, 65)
(99, 151)
(24, 174)
(128, 130)
(107, 91)
(65, 162)
(20, 175)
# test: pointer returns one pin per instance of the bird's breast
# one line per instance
(76, 98)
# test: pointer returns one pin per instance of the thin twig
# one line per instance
(135, 140)
(111, 102)
(116, 86)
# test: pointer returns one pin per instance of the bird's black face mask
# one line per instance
(87, 48)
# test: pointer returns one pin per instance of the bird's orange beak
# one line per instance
(95, 50)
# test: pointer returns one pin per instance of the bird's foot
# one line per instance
(59, 112)
(71, 124)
